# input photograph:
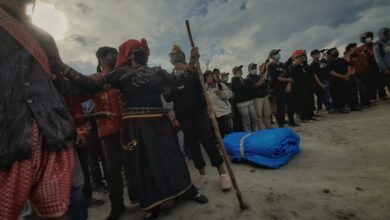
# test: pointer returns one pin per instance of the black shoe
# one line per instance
(344, 111)
(356, 109)
(293, 124)
(116, 214)
(201, 199)
(93, 203)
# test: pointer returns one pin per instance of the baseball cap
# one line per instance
(252, 66)
(274, 52)
(298, 53)
(237, 68)
(314, 52)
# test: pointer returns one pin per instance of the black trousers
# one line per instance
(343, 93)
(197, 129)
(113, 155)
(97, 160)
(83, 153)
(225, 125)
(283, 99)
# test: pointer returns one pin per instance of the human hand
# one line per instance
(288, 88)
(194, 55)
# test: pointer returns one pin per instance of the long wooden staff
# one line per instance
(215, 126)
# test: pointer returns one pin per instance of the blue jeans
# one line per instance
(78, 208)
(248, 117)
(326, 95)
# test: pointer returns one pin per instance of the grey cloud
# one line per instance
(226, 34)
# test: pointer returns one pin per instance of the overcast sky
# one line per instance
(228, 32)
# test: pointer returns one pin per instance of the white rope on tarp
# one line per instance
(242, 141)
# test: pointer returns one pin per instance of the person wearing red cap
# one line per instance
(302, 86)
(153, 158)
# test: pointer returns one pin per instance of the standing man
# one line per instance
(36, 144)
(191, 111)
(302, 86)
(219, 95)
(243, 98)
(382, 52)
(260, 92)
(319, 70)
(340, 79)
(109, 132)
(281, 84)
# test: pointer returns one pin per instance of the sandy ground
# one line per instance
(342, 173)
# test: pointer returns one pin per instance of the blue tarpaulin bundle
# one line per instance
(271, 148)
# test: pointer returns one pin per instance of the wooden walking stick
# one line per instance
(215, 126)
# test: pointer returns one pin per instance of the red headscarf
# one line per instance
(128, 48)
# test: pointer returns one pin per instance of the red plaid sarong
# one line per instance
(45, 179)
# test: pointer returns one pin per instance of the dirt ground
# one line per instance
(342, 173)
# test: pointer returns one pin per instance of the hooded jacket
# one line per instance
(382, 51)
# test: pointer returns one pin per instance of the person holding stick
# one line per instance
(153, 158)
(191, 111)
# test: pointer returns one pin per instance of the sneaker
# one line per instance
(226, 183)
(201, 183)
(116, 214)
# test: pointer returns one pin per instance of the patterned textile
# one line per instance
(45, 179)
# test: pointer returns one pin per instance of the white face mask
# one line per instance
(369, 40)
(253, 72)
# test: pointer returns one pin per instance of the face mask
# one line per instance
(368, 40)
(141, 57)
(179, 72)
(277, 57)
(253, 72)
(224, 78)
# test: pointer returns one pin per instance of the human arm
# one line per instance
(379, 60)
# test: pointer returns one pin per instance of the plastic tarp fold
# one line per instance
(271, 148)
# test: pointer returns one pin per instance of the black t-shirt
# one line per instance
(303, 81)
(276, 70)
(320, 68)
(259, 91)
(339, 65)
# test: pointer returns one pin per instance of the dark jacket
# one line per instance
(242, 89)
(187, 95)
(257, 91)
(28, 94)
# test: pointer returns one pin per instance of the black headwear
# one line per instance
(366, 35)
(104, 51)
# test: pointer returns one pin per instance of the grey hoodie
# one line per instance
(383, 60)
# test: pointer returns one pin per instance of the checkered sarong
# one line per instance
(45, 179)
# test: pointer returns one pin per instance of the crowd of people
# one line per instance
(65, 134)
(331, 83)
